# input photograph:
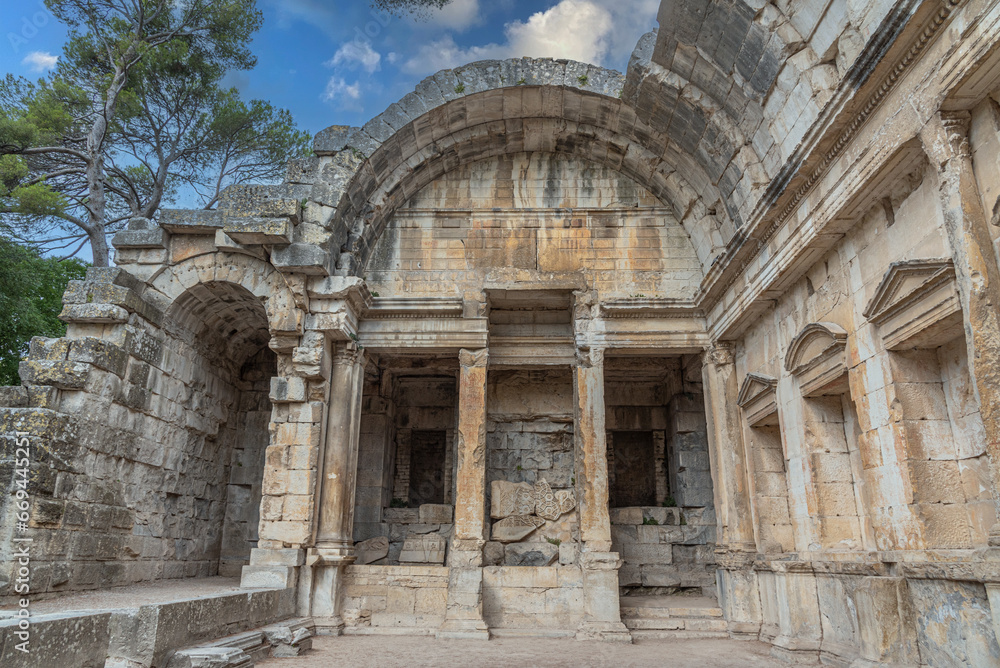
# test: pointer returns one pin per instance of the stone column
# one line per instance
(338, 473)
(946, 142)
(739, 595)
(464, 616)
(725, 448)
(602, 613)
(591, 450)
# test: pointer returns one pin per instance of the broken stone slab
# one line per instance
(290, 638)
(211, 657)
(515, 528)
(301, 259)
(511, 498)
(423, 549)
(566, 500)
(435, 513)
(545, 501)
(530, 554)
(371, 550)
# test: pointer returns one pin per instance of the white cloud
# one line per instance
(39, 61)
(338, 90)
(457, 15)
(353, 54)
(591, 31)
(445, 53)
(574, 29)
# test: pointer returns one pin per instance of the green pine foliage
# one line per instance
(31, 290)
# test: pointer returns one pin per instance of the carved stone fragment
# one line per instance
(511, 498)
(515, 527)
(546, 504)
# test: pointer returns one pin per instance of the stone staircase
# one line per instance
(673, 617)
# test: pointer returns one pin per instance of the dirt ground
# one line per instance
(410, 651)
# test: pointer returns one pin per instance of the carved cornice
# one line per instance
(759, 399)
(650, 307)
(817, 356)
(415, 307)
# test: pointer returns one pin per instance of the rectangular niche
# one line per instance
(635, 469)
(529, 438)
(427, 467)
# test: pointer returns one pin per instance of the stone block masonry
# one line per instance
(757, 275)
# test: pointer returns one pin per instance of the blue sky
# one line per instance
(343, 63)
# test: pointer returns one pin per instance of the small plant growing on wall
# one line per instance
(582, 79)
(650, 520)
(554, 541)
(460, 88)
(669, 502)
(398, 503)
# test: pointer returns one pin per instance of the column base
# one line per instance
(615, 632)
(272, 569)
(329, 626)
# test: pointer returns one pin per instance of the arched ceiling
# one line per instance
(223, 320)
(528, 105)
(714, 106)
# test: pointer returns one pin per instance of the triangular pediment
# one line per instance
(904, 281)
(754, 385)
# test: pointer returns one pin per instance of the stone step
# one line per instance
(388, 631)
(676, 635)
(532, 633)
(671, 613)
(676, 624)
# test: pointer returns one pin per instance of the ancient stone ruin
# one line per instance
(710, 348)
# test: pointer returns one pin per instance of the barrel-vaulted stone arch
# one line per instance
(765, 71)
(257, 277)
(484, 109)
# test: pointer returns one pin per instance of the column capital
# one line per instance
(946, 135)
(473, 358)
(348, 352)
(589, 357)
(720, 353)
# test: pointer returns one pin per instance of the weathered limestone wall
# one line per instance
(412, 597)
(533, 214)
(665, 549)
(529, 433)
(890, 457)
(522, 597)
(246, 473)
(889, 392)
(141, 437)
(529, 438)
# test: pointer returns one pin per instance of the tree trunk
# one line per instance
(99, 246)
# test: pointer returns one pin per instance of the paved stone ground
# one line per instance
(411, 651)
